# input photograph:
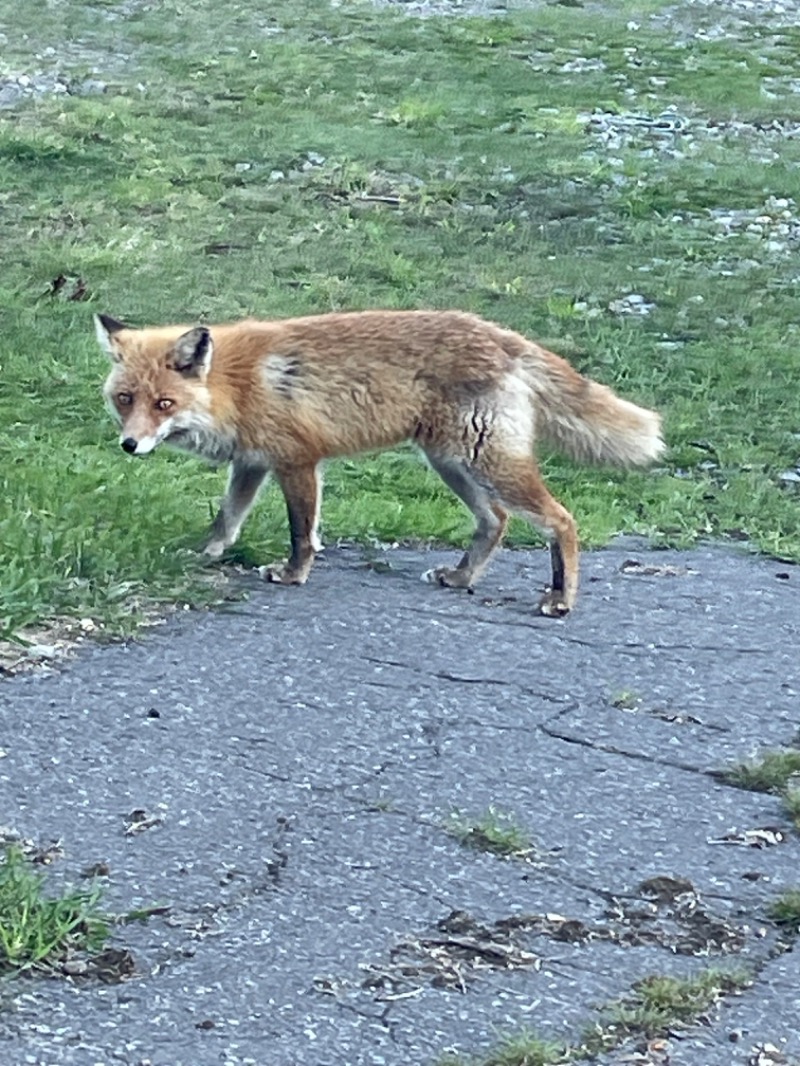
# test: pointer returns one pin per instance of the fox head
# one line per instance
(157, 385)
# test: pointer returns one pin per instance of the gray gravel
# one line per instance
(293, 762)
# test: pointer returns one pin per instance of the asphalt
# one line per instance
(277, 779)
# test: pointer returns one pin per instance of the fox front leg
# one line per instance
(301, 489)
(243, 485)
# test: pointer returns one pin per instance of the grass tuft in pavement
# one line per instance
(777, 772)
(791, 805)
(39, 931)
(526, 1048)
(493, 831)
(773, 772)
(786, 910)
(658, 1005)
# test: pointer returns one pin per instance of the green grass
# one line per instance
(791, 804)
(309, 158)
(625, 700)
(493, 831)
(39, 931)
(658, 1005)
(786, 910)
(520, 1049)
(777, 772)
(772, 772)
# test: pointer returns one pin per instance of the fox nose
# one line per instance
(129, 445)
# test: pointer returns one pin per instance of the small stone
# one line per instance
(91, 87)
(75, 967)
(10, 95)
(42, 651)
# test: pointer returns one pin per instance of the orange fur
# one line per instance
(279, 397)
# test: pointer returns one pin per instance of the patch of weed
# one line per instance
(655, 1007)
(776, 772)
(625, 700)
(786, 910)
(494, 831)
(771, 773)
(791, 804)
(38, 931)
(658, 1005)
(520, 1049)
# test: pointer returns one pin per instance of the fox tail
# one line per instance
(588, 421)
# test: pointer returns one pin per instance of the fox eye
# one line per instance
(124, 399)
(163, 404)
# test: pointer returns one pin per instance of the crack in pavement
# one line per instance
(445, 675)
(611, 749)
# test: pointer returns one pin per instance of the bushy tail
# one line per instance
(588, 421)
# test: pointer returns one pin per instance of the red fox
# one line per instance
(278, 397)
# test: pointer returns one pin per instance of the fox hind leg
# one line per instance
(243, 486)
(490, 523)
(514, 480)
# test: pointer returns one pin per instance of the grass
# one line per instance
(770, 773)
(656, 1007)
(494, 832)
(521, 1049)
(791, 805)
(625, 700)
(659, 1005)
(38, 931)
(318, 157)
(786, 910)
(777, 772)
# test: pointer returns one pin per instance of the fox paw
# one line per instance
(215, 549)
(449, 577)
(282, 574)
(553, 605)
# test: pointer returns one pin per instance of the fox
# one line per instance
(278, 397)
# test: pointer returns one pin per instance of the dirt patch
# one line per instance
(41, 647)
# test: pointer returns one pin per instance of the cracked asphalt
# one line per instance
(278, 778)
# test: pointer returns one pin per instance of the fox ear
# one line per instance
(105, 327)
(192, 352)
